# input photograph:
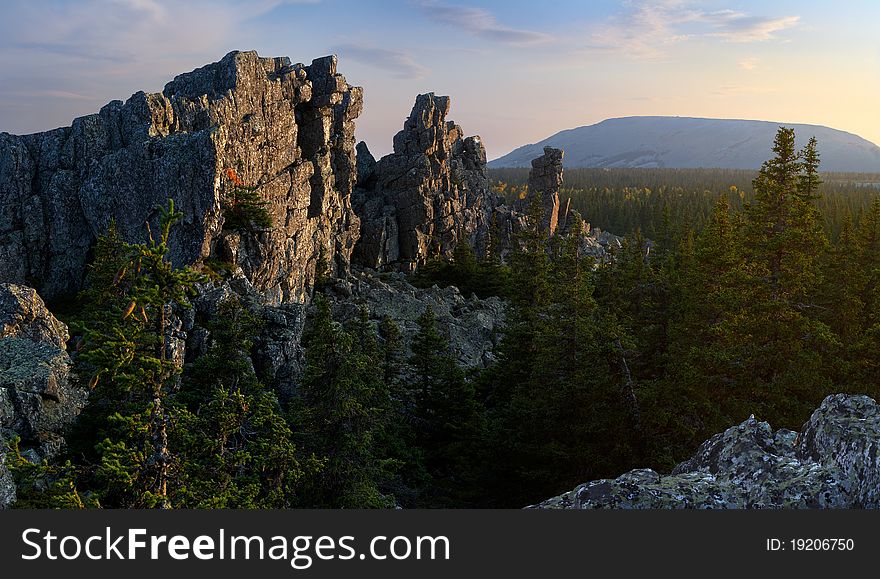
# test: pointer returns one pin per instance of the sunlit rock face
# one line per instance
(427, 196)
(285, 129)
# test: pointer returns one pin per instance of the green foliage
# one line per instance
(44, 485)
(243, 207)
(235, 447)
(123, 431)
(560, 402)
(449, 423)
(341, 405)
(481, 277)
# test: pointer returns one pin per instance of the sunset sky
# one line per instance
(517, 71)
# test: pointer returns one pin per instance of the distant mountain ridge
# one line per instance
(689, 142)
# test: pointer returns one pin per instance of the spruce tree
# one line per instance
(449, 424)
(340, 409)
(125, 347)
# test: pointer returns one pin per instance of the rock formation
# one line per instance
(428, 195)
(38, 397)
(285, 129)
(831, 462)
(545, 177)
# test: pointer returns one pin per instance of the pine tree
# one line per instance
(340, 409)
(234, 445)
(125, 333)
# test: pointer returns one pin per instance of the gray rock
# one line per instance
(24, 315)
(545, 177)
(472, 325)
(428, 195)
(7, 485)
(831, 463)
(277, 354)
(285, 129)
(39, 397)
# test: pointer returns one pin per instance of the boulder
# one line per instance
(24, 315)
(831, 463)
(39, 397)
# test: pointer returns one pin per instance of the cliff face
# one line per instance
(831, 463)
(428, 195)
(285, 129)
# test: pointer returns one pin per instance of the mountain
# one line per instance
(683, 142)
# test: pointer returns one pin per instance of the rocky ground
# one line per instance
(472, 325)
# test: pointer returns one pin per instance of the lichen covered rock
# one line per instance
(24, 315)
(831, 463)
(38, 396)
(471, 325)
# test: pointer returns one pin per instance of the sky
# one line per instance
(517, 71)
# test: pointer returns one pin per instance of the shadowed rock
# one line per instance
(832, 463)
(427, 196)
(38, 396)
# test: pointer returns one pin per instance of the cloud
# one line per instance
(740, 27)
(110, 49)
(749, 63)
(646, 28)
(398, 62)
(481, 23)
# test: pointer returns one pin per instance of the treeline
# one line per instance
(623, 200)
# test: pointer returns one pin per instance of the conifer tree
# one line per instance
(340, 409)
(125, 333)
(448, 424)
(235, 447)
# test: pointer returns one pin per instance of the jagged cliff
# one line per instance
(285, 129)
(428, 195)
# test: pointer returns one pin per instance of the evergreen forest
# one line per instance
(734, 293)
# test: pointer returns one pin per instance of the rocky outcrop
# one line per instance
(285, 129)
(471, 325)
(38, 395)
(277, 354)
(545, 178)
(833, 462)
(427, 196)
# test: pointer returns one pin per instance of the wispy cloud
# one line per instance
(111, 48)
(646, 28)
(400, 63)
(740, 27)
(481, 23)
